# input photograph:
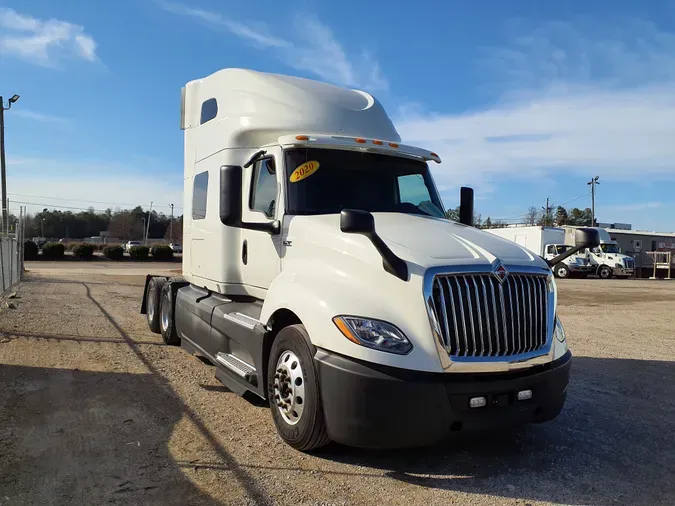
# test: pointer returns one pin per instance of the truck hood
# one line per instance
(423, 240)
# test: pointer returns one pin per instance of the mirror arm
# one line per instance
(391, 263)
(555, 261)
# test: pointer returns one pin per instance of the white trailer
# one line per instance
(548, 243)
(320, 273)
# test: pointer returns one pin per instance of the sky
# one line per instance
(523, 101)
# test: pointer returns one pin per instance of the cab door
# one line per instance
(260, 250)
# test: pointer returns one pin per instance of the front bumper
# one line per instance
(375, 406)
(623, 271)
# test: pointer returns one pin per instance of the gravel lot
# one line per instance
(94, 409)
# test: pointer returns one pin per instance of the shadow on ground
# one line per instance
(614, 443)
(78, 437)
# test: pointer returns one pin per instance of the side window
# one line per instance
(412, 190)
(209, 110)
(264, 187)
(550, 249)
(201, 185)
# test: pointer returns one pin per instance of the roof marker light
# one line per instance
(434, 154)
(378, 143)
(360, 140)
(302, 137)
(393, 145)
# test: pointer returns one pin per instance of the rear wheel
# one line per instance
(167, 321)
(154, 289)
(604, 272)
(293, 391)
(561, 271)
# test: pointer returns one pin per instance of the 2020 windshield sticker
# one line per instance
(304, 171)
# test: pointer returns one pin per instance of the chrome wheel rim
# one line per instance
(289, 388)
(166, 313)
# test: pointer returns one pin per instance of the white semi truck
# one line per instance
(548, 243)
(606, 258)
(320, 274)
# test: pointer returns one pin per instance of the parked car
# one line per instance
(131, 244)
(176, 248)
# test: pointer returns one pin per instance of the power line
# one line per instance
(80, 200)
(59, 207)
(559, 205)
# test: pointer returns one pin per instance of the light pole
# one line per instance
(42, 225)
(171, 226)
(592, 184)
(3, 175)
(147, 231)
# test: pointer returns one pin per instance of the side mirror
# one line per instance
(586, 238)
(230, 202)
(583, 238)
(355, 221)
(466, 206)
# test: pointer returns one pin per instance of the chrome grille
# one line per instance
(629, 263)
(480, 317)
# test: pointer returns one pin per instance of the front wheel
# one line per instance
(293, 391)
(605, 272)
(561, 271)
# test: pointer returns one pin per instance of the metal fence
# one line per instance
(11, 254)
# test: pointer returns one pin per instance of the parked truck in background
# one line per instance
(547, 242)
(320, 274)
(606, 259)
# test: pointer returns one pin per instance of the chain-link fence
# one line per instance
(11, 254)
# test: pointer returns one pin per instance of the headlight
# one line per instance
(550, 284)
(374, 334)
(559, 331)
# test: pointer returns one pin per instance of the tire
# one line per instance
(152, 302)
(604, 272)
(300, 424)
(167, 320)
(561, 271)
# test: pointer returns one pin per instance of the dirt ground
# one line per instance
(94, 409)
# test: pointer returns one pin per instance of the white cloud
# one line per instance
(315, 48)
(62, 184)
(601, 103)
(37, 116)
(634, 207)
(43, 42)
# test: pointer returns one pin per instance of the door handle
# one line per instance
(244, 252)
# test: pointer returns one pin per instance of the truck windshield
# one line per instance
(610, 248)
(326, 181)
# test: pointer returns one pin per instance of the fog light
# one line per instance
(524, 395)
(477, 402)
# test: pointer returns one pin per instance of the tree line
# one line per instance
(536, 216)
(125, 225)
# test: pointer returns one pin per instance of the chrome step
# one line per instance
(242, 319)
(238, 366)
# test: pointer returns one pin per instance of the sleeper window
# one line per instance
(264, 187)
(199, 191)
(209, 110)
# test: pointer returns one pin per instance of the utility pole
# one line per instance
(592, 184)
(547, 214)
(3, 173)
(171, 226)
(147, 231)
